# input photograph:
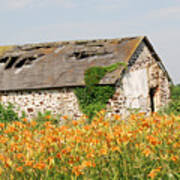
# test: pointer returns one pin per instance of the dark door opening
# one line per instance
(152, 92)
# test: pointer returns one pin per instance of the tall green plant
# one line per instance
(174, 106)
(7, 113)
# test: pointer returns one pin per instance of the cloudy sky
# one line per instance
(27, 21)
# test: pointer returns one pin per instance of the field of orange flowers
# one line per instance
(137, 148)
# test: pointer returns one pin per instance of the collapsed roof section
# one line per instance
(61, 64)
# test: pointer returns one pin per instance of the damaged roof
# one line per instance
(61, 64)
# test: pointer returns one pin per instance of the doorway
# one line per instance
(152, 93)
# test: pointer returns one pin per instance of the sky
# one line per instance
(33, 21)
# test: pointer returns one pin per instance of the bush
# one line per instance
(7, 113)
(174, 105)
(175, 92)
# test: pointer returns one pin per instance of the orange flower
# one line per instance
(86, 164)
(115, 148)
(24, 120)
(153, 140)
(147, 152)
(58, 155)
(145, 124)
(75, 123)
(1, 125)
(19, 124)
(20, 156)
(29, 163)
(90, 155)
(1, 171)
(77, 170)
(16, 137)
(65, 117)
(174, 158)
(3, 140)
(48, 117)
(154, 172)
(2, 157)
(33, 123)
(117, 117)
(66, 150)
(103, 151)
(40, 165)
(176, 145)
(19, 169)
(87, 127)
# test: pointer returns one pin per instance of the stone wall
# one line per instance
(143, 73)
(132, 91)
(62, 101)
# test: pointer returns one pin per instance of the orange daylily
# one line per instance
(147, 152)
(154, 172)
(77, 170)
(48, 117)
(153, 140)
(174, 158)
(39, 165)
(2, 125)
(19, 169)
(29, 163)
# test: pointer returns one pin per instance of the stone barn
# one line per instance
(40, 77)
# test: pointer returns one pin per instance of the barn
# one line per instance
(40, 77)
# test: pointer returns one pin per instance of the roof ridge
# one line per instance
(72, 41)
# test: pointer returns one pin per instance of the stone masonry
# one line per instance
(62, 101)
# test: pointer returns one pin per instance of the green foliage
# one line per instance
(46, 116)
(174, 106)
(94, 98)
(93, 102)
(175, 92)
(7, 113)
(94, 74)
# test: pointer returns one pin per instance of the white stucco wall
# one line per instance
(135, 86)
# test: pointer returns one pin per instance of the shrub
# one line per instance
(174, 105)
(7, 113)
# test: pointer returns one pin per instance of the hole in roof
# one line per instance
(82, 55)
(31, 58)
(85, 54)
(20, 63)
(28, 60)
(11, 61)
(4, 60)
(31, 48)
